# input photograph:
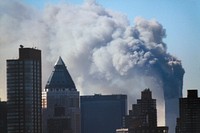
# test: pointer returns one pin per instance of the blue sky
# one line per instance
(180, 18)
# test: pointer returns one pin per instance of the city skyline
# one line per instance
(143, 115)
(56, 40)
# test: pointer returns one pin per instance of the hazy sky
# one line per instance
(180, 18)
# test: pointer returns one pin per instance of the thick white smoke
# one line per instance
(102, 51)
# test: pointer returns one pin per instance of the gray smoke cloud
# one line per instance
(103, 52)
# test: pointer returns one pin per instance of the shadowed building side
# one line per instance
(143, 116)
(24, 92)
(189, 119)
(102, 113)
(3, 117)
(62, 99)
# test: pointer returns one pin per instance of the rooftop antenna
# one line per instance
(21, 46)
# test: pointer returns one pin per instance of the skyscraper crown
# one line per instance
(60, 77)
(146, 94)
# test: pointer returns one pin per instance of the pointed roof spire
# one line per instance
(60, 77)
(60, 62)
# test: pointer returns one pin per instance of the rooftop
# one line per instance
(60, 77)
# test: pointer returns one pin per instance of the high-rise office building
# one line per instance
(102, 113)
(3, 117)
(24, 92)
(63, 110)
(189, 119)
(143, 116)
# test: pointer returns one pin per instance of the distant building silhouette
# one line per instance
(189, 120)
(62, 114)
(143, 116)
(24, 92)
(3, 117)
(102, 113)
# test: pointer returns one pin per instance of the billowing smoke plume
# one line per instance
(102, 51)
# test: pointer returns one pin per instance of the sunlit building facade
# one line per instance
(122, 130)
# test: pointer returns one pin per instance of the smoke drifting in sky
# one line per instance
(102, 51)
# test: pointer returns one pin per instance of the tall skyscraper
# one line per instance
(189, 120)
(172, 80)
(3, 117)
(24, 92)
(143, 116)
(102, 113)
(63, 110)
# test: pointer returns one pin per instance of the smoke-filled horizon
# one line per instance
(102, 51)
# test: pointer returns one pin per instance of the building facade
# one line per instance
(102, 113)
(189, 120)
(3, 117)
(62, 102)
(143, 116)
(24, 92)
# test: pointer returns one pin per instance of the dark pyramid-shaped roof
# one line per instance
(60, 77)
